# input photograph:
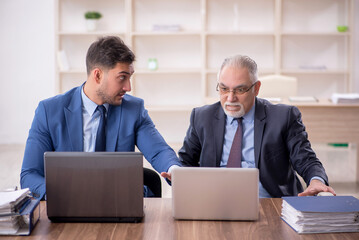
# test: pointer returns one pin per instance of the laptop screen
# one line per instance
(94, 186)
(215, 193)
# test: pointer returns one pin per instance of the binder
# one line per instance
(27, 219)
(321, 214)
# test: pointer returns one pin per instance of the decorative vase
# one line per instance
(91, 24)
(152, 64)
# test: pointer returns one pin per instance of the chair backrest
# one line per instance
(153, 181)
(277, 86)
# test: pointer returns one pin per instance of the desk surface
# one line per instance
(159, 224)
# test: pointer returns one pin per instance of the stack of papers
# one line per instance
(11, 202)
(303, 99)
(11, 205)
(345, 97)
(321, 214)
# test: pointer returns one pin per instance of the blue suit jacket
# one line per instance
(58, 126)
(281, 146)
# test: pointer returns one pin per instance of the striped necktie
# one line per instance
(235, 155)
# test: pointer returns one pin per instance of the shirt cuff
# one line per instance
(317, 178)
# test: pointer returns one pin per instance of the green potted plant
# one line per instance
(92, 18)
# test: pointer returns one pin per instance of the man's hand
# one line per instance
(166, 175)
(316, 186)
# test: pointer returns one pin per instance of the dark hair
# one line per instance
(106, 52)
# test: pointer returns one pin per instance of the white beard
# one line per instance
(237, 114)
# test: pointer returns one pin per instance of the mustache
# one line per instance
(232, 104)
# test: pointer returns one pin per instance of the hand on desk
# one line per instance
(315, 187)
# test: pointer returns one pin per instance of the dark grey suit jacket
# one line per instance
(281, 145)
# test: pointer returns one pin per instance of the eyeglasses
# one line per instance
(236, 91)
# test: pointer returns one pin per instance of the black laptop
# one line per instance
(94, 186)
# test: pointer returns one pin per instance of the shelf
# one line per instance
(261, 71)
(167, 71)
(323, 34)
(172, 108)
(239, 33)
(95, 33)
(191, 38)
(261, 49)
(183, 13)
(329, 51)
(169, 89)
(244, 16)
(314, 16)
(304, 71)
(71, 15)
(159, 33)
(171, 51)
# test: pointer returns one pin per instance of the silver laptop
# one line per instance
(94, 186)
(215, 193)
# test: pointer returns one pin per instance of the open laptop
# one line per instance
(215, 193)
(94, 186)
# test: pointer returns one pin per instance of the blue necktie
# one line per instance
(235, 155)
(101, 131)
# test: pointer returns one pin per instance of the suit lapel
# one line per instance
(259, 124)
(73, 116)
(114, 117)
(218, 127)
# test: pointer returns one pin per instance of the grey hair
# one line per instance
(239, 61)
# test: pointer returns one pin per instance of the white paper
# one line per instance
(9, 199)
(345, 97)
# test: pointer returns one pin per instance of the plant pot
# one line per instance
(91, 24)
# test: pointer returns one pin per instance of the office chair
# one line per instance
(153, 181)
(277, 86)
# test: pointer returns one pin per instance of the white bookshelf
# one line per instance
(291, 37)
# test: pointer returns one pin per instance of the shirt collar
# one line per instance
(248, 117)
(89, 105)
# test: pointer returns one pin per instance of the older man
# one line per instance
(245, 131)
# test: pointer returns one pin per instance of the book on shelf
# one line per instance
(62, 61)
(166, 28)
(273, 99)
(313, 67)
(19, 212)
(323, 214)
(345, 97)
(302, 99)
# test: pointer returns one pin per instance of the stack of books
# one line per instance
(321, 214)
(345, 97)
(166, 28)
(18, 212)
(303, 99)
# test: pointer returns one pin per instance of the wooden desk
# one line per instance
(158, 224)
(327, 122)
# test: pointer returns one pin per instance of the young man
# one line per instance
(72, 121)
(270, 137)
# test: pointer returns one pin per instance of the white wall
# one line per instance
(356, 48)
(26, 64)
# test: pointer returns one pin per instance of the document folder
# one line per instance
(26, 220)
(321, 214)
